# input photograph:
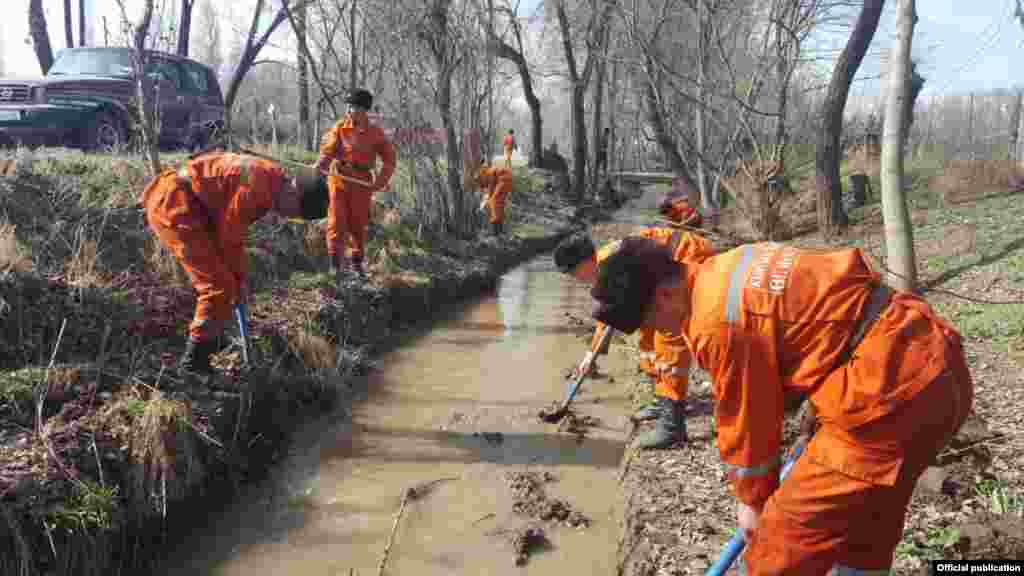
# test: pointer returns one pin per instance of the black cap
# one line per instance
(626, 280)
(361, 98)
(572, 252)
(313, 187)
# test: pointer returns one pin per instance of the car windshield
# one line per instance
(92, 62)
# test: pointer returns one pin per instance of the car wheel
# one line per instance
(105, 134)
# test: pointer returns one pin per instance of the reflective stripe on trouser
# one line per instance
(193, 246)
(672, 365)
(647, 355)
(819, 518)
(348, 216)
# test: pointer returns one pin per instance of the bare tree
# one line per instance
(517, 56)
(254, 43)
(185, 27)
(209, 49)
(81, 23)
(579, 78)
(899, 237)
(40, 35)
(828, 151)
(143, 85)
(69, 37)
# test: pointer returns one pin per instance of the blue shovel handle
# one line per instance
(242, 316)
(736, 545)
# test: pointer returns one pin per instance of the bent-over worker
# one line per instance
(664, 358)
(349, 151)
(496, 184)
(678, 211)
(887, 377)
(201, 213)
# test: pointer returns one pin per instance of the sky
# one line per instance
(963, 45)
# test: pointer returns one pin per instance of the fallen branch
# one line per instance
(482, 518)
(412, 493)
(971, 445)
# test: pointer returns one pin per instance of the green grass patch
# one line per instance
(91, 507)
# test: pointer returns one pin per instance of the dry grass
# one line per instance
(83, 269)
(315, 240)
(14, 256)
(317, 353)
(963, 180)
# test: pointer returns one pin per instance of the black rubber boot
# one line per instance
(669, 426)
(194, 367)
(650, 411)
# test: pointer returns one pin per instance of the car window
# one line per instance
(100, 62)
(197, 78)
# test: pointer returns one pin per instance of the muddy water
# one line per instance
(457, 406)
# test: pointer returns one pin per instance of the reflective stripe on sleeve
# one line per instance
(739, 274)
(762, 469)
(840, 570)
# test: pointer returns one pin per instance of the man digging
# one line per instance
(886, 376)
(201, 214)
(664, 359)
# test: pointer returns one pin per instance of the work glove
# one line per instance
(747, 518)
(587, 365)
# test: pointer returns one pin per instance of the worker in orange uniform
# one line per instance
(664, 358)
(496, 184)
(349, 151)
(201, 213)
(678, 211)
(886, 376)
(510, 145)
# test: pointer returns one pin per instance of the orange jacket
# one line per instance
(767, 319)
(234, 191)
(689, 247)
(490, 176)
(358, 150)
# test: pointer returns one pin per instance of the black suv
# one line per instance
(87, 100)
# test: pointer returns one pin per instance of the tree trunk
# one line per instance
(709, 203)
(40, 35)
(69, 28)
(899, 237)
(667, 144)
(353, 64)
(1012, 151)
(596, 128)
(144, 89)
(828, 153)
(185, 27)
(1020, 132)
(613, 117)
(81, 23)
(305, 130)
(507, 52)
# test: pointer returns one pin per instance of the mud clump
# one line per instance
(578, 424)
(531, 500)
(552, 413)
(526, 541)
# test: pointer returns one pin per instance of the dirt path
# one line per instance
(452, 415)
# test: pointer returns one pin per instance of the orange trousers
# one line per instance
(185, 232)
(348, 216)
(496, 201)
(820, 518)
(508, 158)
(671, 366)
(647, 354)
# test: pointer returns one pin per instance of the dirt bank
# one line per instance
(98, 461)
(970, 505)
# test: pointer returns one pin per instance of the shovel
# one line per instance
(557, 415)
(242, 316)
(737, 543)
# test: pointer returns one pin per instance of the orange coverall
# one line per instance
(768, 319)
(510, 145)
(663, 357)
(679, 211)
(357, 151)
(497, 184)
(205, 228)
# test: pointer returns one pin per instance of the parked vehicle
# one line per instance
(87, 100)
